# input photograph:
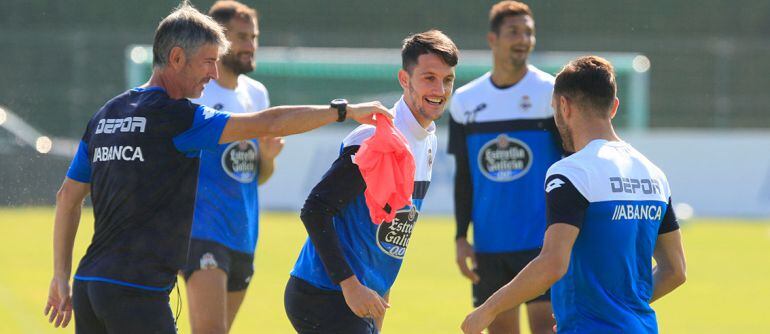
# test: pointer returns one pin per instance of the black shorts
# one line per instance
(110, 308)
(320, 311)
(205, 254)
(497, 269)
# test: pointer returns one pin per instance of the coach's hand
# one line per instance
(59, 303)
(465, 252)
(364, 112)
(479, 319)
(364, 302)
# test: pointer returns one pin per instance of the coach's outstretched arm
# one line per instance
(288, 120)
(532, 281)
(69, 200)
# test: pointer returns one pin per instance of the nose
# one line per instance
(439, 88)
(214, 73)
(250, 45)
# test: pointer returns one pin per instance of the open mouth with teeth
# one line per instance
(436, 101)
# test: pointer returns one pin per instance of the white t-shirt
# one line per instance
(480, 101)
(249, 96)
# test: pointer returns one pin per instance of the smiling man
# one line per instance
(139, 159)
(504, 138)
(347, 266)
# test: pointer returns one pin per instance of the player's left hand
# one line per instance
(59, 303)
(270, 147)
(479, 319)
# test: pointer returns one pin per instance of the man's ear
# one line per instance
(177, 58)
(491, 39)
(614, 110)
(566, 107)
(403, 79)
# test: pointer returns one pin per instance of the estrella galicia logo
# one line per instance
(218, 106)
(504, 159)
(393, 237)
(239, 160)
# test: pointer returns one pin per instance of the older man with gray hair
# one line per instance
(139, 160)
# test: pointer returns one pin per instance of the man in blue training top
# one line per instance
(503, 137)
(347, 266)
(220, 263)
(139, 160)
(609, 214)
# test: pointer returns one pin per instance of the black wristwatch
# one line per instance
(342, 109)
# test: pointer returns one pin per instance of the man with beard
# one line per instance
(503, 137)
(609, 214)
(342, 278)
(225, 224)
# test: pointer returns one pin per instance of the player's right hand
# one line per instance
(364, 112)
(364, 302)
(465, 252)
(59, 303)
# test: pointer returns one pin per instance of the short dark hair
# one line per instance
(589, 81)
(432, 41)
(504, 9)
(223, 11)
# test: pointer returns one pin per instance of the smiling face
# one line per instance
(514, 40)
(427, 87)
(242, 34)
(198, 69)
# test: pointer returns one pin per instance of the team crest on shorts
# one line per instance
(239, 161)
(504, 159)
(393, 237)
(208, 261)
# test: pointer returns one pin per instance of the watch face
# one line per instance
(337, 102)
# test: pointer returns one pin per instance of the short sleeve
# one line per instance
(205, 131)
(80, 168)
(669, 223)
(564, 203)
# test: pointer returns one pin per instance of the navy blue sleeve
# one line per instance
(80, 168)
(340, 185)
(205, 131)
(564, 203)
(463, 188)
(669, 223)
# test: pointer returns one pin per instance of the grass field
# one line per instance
(726, 291)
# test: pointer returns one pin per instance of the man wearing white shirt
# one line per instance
(503, 136)
(226, 220)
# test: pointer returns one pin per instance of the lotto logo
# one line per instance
(555, 183)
